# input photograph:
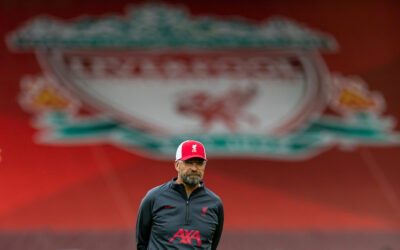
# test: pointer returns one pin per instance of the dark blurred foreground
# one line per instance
(230, 241)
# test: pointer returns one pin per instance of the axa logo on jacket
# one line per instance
(186, 236)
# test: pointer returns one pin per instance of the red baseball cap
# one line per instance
(190, 149)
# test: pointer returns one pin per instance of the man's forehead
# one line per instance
(195, 159)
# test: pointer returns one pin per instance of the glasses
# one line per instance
(190, 162)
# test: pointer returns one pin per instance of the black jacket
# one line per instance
(168, 219)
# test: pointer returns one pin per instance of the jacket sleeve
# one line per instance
(144, 223)
(218, 232)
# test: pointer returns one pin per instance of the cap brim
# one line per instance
(193, 156)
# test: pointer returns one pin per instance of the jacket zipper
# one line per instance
(187, 212)
(187, 207)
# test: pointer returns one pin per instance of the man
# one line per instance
(182, 213)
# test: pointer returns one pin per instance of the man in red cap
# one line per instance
(182, 213)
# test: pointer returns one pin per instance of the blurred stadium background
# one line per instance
(80, 186)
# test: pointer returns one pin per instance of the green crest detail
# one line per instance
(161, 26)
(362, 128)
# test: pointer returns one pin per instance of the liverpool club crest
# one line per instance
(158, 75)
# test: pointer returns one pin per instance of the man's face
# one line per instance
(191, 171)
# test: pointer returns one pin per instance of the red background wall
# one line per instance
(99, 187)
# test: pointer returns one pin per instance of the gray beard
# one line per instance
(191, 181)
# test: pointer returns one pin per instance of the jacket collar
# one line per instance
(181, 188)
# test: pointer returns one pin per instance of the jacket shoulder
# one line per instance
(154, 192)
(213, 195)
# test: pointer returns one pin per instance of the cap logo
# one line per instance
(194, 148)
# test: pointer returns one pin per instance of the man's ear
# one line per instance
(176, 165)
